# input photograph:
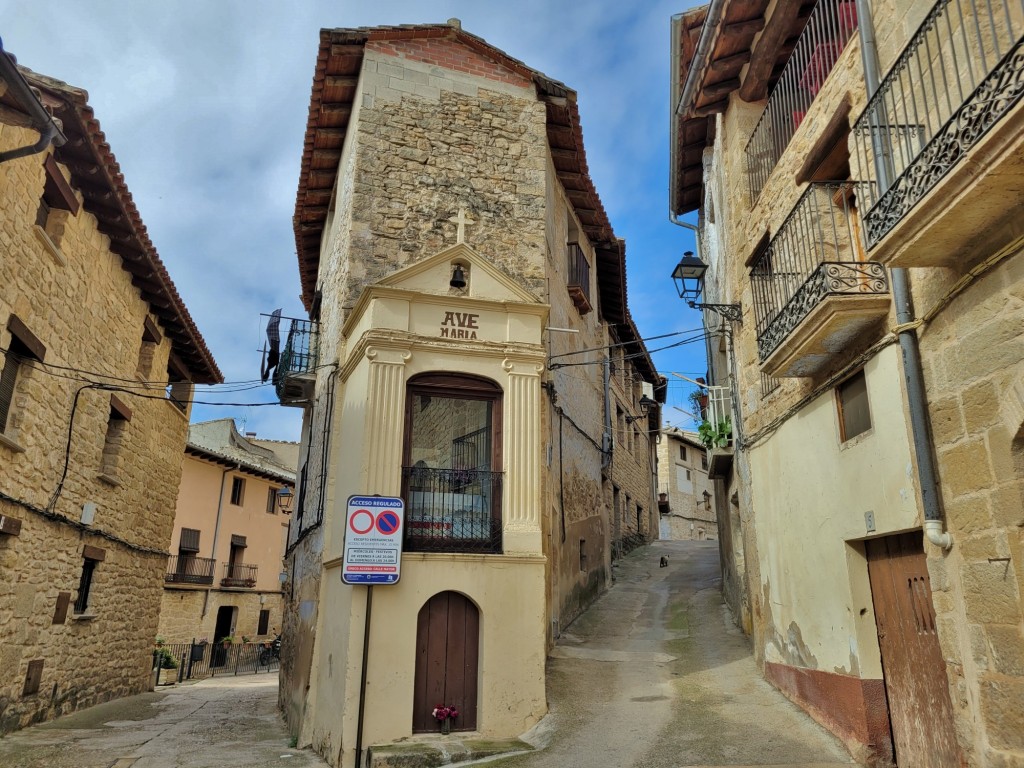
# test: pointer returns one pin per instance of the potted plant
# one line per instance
(715, 435)
(166, 664)
(699, 403)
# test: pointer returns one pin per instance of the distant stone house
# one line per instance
(98, 356)
(469, 349)
(686, 495)
(223, 577)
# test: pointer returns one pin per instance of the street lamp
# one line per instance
(285, 497)
(689, 279)
(645, 406)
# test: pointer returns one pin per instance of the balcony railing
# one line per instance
(578, 278)
(828, 30)
(185, 569)
(960, 73)
(239, 575)
(816, 253)
(452, 510)
(295, 372)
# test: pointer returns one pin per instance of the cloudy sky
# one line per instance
(204, 105)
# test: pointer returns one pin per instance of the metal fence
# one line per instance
(452, 510)
(960, 73)
(828, 30)
(817, 252)
(196, 661)
(239, 575)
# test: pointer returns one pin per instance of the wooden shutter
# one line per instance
(8, 377)
(33, 677)
(60, 613)
(189, 540)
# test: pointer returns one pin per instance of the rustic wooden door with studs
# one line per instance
(920, 710)
(447, 655)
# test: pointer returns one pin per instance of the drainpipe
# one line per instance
(216, 529)
(606, 438)
(41, 119)
(912, 372)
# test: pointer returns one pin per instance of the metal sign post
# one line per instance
(373, 555)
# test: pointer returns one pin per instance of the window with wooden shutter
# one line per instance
(189, 541)
(23, 346)
(237, 491)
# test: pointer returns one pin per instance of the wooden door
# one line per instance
(920, 711)
(447, 653)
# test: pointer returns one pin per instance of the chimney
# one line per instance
(250, 435)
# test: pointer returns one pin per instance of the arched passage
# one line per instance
(447, 656)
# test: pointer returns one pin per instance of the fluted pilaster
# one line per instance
(385, 399)
(522, 458)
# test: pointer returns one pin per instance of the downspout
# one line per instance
(606, 438)
(41, 119)
(905, 330)
(216, 529)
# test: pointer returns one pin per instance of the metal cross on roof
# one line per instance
(462, 220)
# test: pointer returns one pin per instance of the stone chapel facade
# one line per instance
(470, 349)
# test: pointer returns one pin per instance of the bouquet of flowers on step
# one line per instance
(442, 712)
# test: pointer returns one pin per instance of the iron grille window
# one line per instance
(451, 478)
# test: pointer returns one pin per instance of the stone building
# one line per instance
(99, 355)
(469, 349)
(857, 173)
(223, 577)
(686, 495)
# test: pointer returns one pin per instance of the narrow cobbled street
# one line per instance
(656, 675)
(222, 721)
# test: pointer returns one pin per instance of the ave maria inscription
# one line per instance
(459, 325)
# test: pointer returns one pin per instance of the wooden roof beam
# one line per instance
(729, 63)
(766, 50)
(711, 109)
(723, 88)
(743, 28)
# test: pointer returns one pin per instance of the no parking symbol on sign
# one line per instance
(373, 540)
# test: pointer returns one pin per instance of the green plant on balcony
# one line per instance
(715, 435)
(164, 658)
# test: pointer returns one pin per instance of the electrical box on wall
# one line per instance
(88, 512)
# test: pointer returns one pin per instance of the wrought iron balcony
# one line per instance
(960, 75)
(828, 30)
(717, 435)
(452, 510)
(185, 569)
(239, 575)
(295, 375)
(813, 290)
(578, 279)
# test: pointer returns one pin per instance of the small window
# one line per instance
(852, 401)
(23, 347)
(682, 453)
(147, 351)
(583, 554)
(33, 677)
(57, 204)
(703, 460)
(261, 629)
(113, 443)
(271, 500)
(688, 476)
(91, 557)
(237, 491)
(179, 388)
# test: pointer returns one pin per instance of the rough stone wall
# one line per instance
(690, 516)
(74, 295)
(632, 464)
(182, 618)
(974, 373)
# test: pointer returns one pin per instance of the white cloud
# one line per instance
(205, 105)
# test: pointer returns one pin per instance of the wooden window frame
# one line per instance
(237, 497)
(91, 557)
(843, 436)
(271, 500)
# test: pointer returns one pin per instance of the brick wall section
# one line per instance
(455, 58)
(79, 301)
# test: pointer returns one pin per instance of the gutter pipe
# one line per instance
(216, 527)
(909, 347)
(42, 121)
